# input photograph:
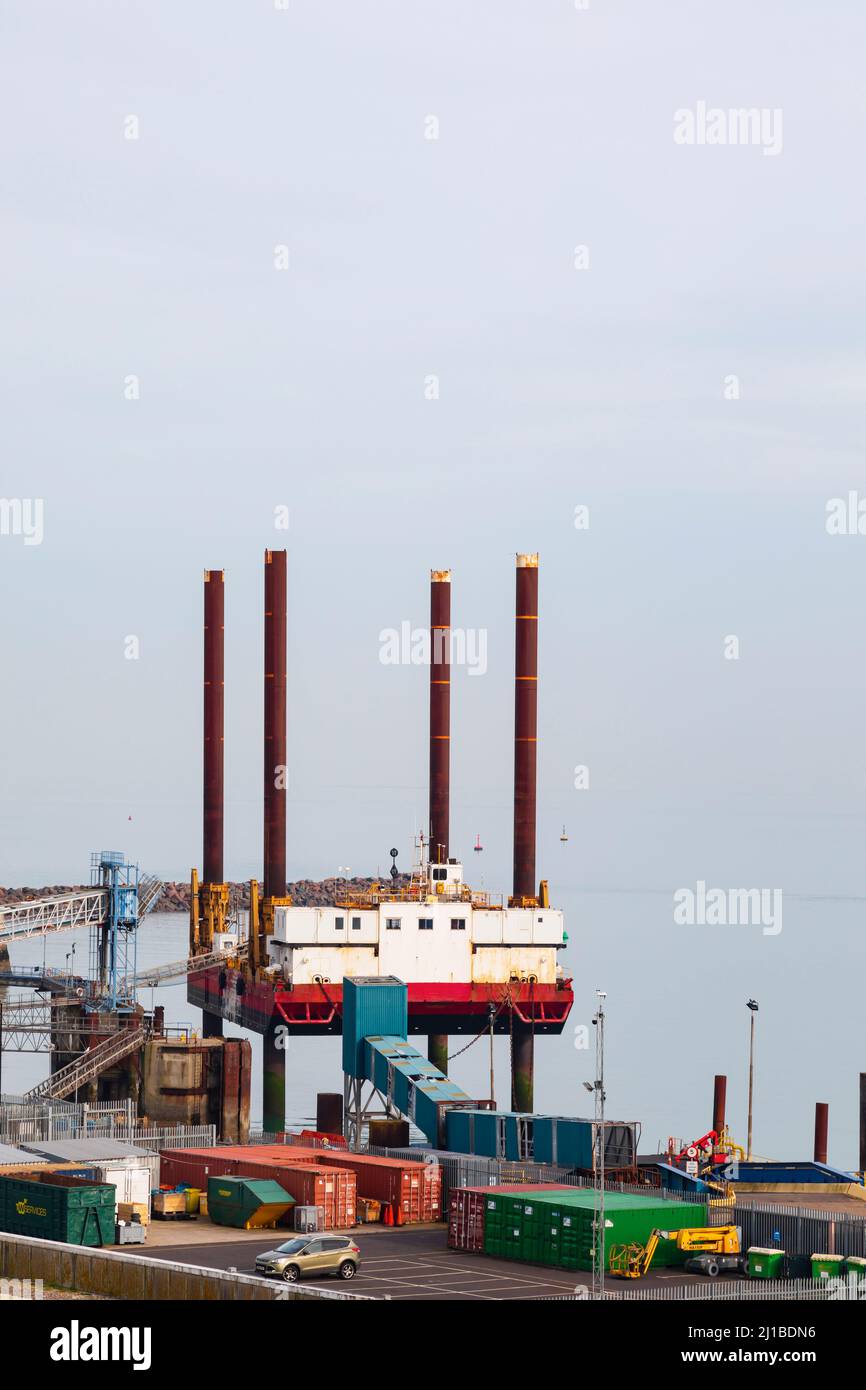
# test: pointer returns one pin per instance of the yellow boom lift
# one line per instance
(715, 1248)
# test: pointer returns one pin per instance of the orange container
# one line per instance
(313, 1185)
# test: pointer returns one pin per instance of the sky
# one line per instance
(427, 278)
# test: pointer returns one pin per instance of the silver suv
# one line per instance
(311, 1255)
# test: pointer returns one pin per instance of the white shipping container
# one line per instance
(131, 1184)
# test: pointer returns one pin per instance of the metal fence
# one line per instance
(178, 1137)
(24, 1121)
(748, 1290)
(794, 1229)
(474, 1170)
(42, 1122)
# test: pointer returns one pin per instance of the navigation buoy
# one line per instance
(478, 847)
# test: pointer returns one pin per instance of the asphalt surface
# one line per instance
(409, 1264)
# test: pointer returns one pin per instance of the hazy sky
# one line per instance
(694, 377)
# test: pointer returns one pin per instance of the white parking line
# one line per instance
(445, 1264)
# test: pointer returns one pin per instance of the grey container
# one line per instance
(309, 1219)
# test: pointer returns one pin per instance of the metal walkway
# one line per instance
(178, 969)
(70, 911)
(67, 913)
(89, 1065)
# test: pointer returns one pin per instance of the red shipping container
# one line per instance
(414, 1188)
(310, 1185)
(466, 1211)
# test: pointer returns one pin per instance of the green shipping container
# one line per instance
(54, 1206)
(558, 1228)
(764, 1264)
(246, 1202)
(826, 1266)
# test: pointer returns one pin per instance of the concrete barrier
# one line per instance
(114, 1275)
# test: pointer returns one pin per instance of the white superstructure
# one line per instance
(438, 931)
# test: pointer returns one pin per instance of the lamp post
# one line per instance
(596, 1088)
(752, 1006)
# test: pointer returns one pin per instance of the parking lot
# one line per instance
(403, 1264)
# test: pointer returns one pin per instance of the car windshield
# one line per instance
(292, 1247)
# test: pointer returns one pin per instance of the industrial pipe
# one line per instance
(822, 1112)
(720, 1089)
(440, 713)
(275, 725)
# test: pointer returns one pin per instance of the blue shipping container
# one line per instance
(373, 1005)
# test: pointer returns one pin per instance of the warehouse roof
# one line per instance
(10, 1156)
(94, 1150)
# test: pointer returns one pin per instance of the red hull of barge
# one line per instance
(433, 1008)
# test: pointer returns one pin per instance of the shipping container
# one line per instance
(572, 1142)
(560, 1140)
(373, 1006)
(248, 1203)
(466, 1209)
(559, 1227)
(52, 1206)
(308, 1183)
(414, 1188)
(131, 1185)
(489, 1133)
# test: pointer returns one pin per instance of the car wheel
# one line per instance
(347, 1270)
(291, 1274)
(712, 1269)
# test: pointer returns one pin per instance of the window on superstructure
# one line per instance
(425, 923)
(356, 924)
(392, 923)
(458, 923)
(339, 923)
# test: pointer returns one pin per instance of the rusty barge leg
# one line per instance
(525, 725)
(440, 749)
(440, 713)
(275, 725)
(214, 730)
(437, 1051)
(274, 1077)
(274, 1055)
(522, 1067)
(525, 748)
